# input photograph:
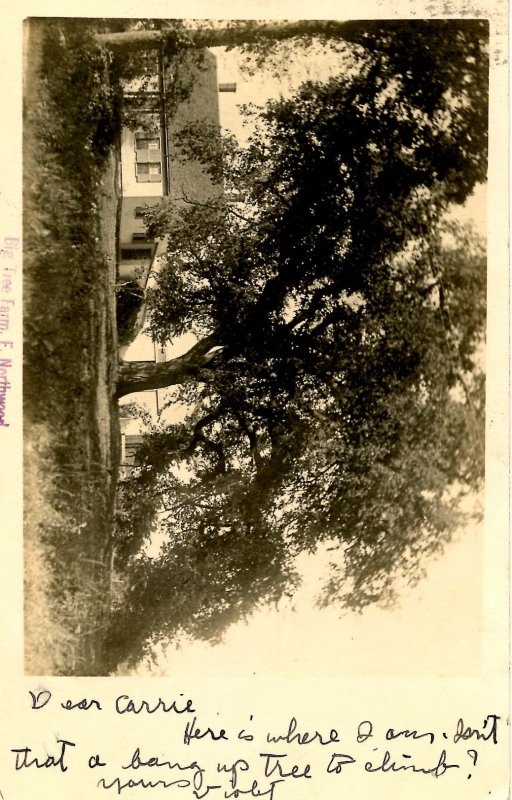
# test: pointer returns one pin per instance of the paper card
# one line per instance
(298, 699)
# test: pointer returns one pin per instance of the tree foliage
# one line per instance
(343, 402)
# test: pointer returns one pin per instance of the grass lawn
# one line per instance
(70, 348)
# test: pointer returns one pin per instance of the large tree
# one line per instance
(334, 388)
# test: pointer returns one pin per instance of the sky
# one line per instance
(263, 85)
(443, 613)
(441, 617)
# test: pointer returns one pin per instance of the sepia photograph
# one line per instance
(254, 323)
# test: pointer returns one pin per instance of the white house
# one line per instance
(151, 170)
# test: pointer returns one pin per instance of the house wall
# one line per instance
(130, 225)
(135, 260)
(187, 179)
(137, 271)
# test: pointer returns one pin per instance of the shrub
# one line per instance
(130, 299)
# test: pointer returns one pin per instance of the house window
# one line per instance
(128, 254)
(148, 167)
(140, 212)
(146, 143)
(140, 237)
(148, 171)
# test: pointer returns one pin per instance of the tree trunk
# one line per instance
(135, 40)
(138, 376)
(238, 33)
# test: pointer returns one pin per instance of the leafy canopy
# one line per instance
(345, 403)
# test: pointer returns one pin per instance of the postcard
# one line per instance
(254, 401)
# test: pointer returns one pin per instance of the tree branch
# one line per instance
(251, 435)
(137, 376)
